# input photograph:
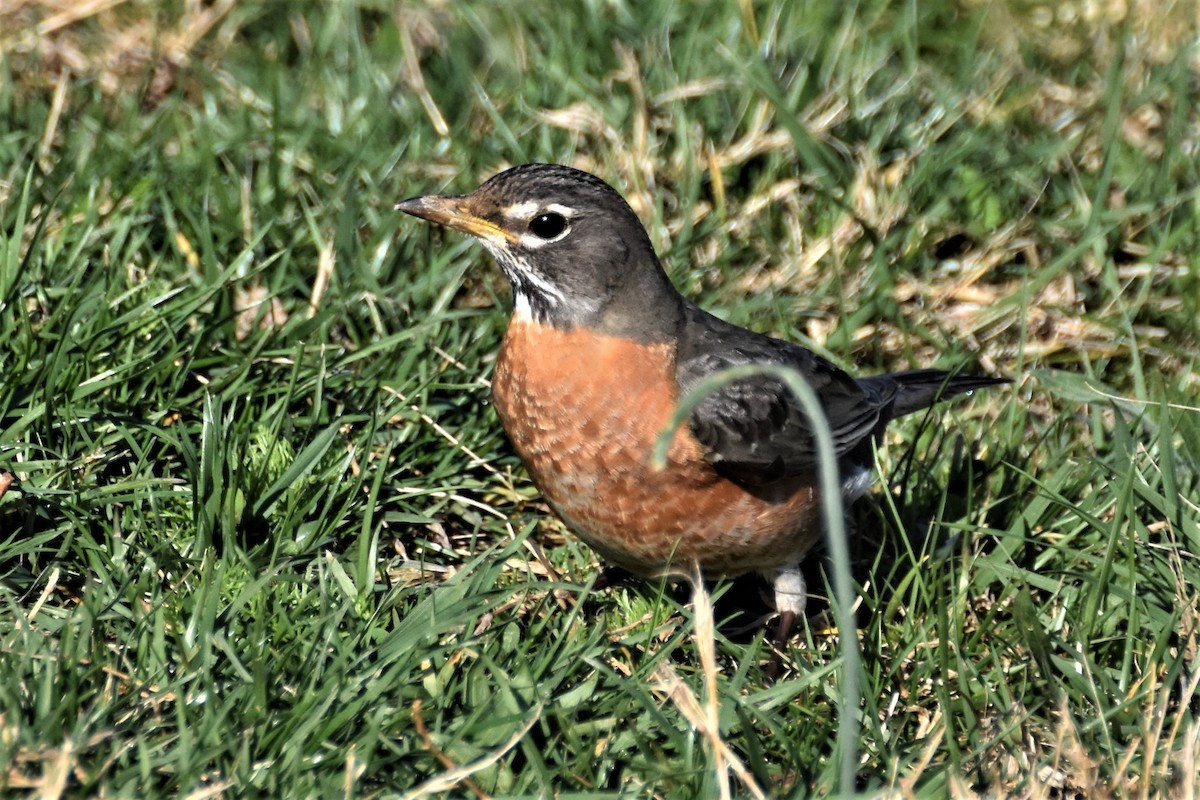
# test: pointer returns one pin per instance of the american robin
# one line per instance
(600, 349)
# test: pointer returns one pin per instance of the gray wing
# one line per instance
(755, 430)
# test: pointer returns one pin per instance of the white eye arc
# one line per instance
(538, 224)
(544, 224)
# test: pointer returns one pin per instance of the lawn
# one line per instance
(265, 537)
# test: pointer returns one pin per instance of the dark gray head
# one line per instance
(572, 248)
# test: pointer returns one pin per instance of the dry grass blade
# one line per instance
(416, 79)
(439, 754)
(460, 775)
(119, 47)
(705, 717)
(73, 13)
(325, 264)
(218, 789)
(668, 683)
(476, 459)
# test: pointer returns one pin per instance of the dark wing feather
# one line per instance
(754, 430)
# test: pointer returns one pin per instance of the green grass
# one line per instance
(265, 540)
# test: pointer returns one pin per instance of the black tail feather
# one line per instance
(920, 388)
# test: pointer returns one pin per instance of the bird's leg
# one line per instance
(790, 600)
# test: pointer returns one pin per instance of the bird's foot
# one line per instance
(791, 597)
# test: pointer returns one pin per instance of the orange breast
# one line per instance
(583, 411)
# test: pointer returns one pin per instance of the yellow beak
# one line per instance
(454, 211)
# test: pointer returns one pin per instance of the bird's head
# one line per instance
(572, 248)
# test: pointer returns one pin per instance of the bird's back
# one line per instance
(757, 432)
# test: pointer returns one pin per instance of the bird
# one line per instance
(599, 351)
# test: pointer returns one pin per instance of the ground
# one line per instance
(260, 532)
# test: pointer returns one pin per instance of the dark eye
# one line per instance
(548, 226)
